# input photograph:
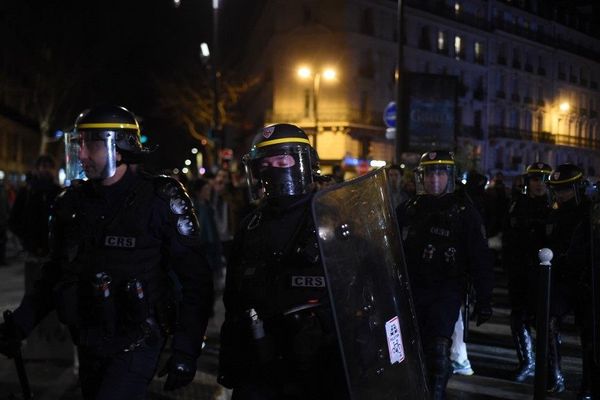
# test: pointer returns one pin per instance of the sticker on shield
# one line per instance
(394, 338)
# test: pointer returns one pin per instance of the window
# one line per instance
(477, 119)
(458, 48)
(306, 103)
(441, 42)
(457, 8)
(502, 54)
(478, 50)
(366, 68)
(364, 104)
(424, 39)
(366, 22)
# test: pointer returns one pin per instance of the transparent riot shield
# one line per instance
(595, 275)
(368, 286)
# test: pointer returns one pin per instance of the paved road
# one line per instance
(491, 354)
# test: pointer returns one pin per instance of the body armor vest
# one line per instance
(114, 239)
(431, 240)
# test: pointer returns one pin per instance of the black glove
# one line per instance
(483, 313)
(181, 368)
(9, 344)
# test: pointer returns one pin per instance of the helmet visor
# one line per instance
(90, 154)
(283, 171)
(437, 179)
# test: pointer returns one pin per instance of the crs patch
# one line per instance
(308, 281)
(120, 241)
(268, 131)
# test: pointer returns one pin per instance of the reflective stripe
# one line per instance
(579, 175)
(437, 162)
(286, 140)
(114, 125)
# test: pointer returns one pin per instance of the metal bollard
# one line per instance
(543, 316)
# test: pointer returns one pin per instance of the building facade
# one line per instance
(528, 77)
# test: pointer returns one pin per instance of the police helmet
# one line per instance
(281, 162)
(567, 177)
(434, 162)
(119, 121)
(538, 170)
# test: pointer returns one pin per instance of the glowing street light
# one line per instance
(188, 162)
(564, 106)
(328, 74)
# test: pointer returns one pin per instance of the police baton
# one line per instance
(12, 335)
(543, 316)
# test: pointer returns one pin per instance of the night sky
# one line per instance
(113, 51)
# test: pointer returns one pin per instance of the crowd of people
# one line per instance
(119, 237)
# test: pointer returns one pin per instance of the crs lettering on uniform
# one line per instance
(308, 281)
(119, 241)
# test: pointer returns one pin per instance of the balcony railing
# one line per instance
(328, 116)
(543, 137)
(520, 134)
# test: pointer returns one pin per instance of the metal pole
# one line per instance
(543, 316)
(316, 88)
(400, 86)
(218, 131)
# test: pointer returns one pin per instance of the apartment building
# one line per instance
(528, 76)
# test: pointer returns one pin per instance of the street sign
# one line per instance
(390, 133)
(389, 115)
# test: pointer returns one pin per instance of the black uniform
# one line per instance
(444, 245)
(568, 233)
(140, 229)
(523, 236)
(276, 272)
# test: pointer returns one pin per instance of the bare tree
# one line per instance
(189, 98)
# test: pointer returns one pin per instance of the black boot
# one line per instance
(524, 345)
(556, 380)
(440, 367)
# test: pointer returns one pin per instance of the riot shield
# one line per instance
(595, 275)
(368, 286)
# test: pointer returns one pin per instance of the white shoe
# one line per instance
(462, 369)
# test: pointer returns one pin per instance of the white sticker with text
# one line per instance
(394, 338)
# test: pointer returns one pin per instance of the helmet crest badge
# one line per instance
(268, 131)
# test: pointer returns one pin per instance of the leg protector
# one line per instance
(439, 367)
(556, 380)
(524, 345)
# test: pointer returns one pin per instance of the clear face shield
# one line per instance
(436, 180)
(560, 194)
(279, 172)
(90, 155)
(535, 185)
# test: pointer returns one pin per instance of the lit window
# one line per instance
(478, 51)
(457, 46)
(441, 41)
(457, 8)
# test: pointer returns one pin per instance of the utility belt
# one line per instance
(115, 317)
(295, 337)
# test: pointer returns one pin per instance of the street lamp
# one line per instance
(328, 74)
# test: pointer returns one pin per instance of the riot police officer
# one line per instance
(568, 235)
(444, 244)
(115, 240)
(523, 236)
(278, 340)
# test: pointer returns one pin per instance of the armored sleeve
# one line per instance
(41, 300)
(179, 229)
(479, 256)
